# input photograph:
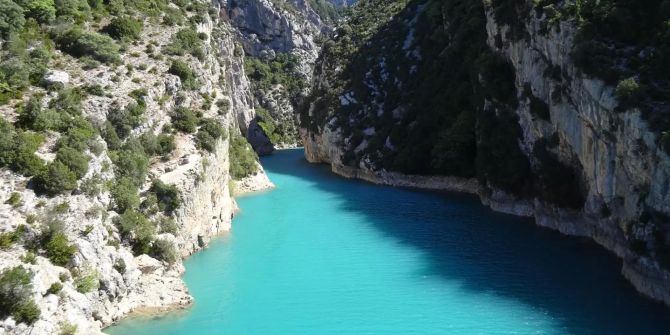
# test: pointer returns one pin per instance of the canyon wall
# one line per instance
(595, 167)
(124, 281)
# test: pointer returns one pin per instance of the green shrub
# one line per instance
(87, 281)
(283, 70)
(79, 43)
(164, 250)
(149, 205)
(166, 144)
(74, 159)
(124, 193)
(161, 145)
(210, 131)
(42, 11)
(68, 329)
(68, 101)
(173, 17)
(14, 199)
(91, 186)
(167, 195)
(7, 140)
(148, 7)
(14, 78)
(183, 71)
(77, 10)
(242, 158)
(29, 258)
(6, 240)
(124, 28)
(132, 162)
(56, 178)
(110, 136)
(136, 227)
(15, 292)
(55, 288)
(126, 119)
(185, 41)
(11, 18)
(58, 249)
(120, 266)
(628, 91)
(168, 225)
(95, 89)
(24, 159)
(27, 312)
(183, 119)
(79, 134)
(9, 238)
(33, 116)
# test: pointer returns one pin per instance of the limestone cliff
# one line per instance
(107, 278)
(268, 29)
(614, 174)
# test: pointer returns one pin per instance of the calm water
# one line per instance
(326, 255)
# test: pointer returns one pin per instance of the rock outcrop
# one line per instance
(266, 29)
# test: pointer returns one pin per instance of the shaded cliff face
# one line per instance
(500, 92)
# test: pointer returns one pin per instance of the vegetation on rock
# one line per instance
(15, 295)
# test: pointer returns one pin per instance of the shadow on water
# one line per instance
(571, 279)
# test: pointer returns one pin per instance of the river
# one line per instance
(321, 254)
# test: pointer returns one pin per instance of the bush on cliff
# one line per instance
(164, 250)
(74, 159)
(79, 43)
(210, 131)
(184, 72)
(183, 119)
(15, 295)
(168, 196)
(139, 230)
(56, 178)
(124, 194)
(11, 18)
(58, 249)
(185, 41)
(242, 157)
(132, 162)
(124, 28)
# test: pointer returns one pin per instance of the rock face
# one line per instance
(624, 173)
(128, 283)
(267, 28)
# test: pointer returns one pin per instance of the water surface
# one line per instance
(326, 255)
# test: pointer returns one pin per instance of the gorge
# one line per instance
(129, 128)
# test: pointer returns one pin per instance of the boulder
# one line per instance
(56, 77)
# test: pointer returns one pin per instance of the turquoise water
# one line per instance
(326, 255)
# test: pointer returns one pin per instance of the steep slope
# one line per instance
(279, 38)
(117, 162)
(507, 99)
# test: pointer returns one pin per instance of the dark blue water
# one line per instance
(326, 255)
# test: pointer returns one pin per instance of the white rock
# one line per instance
(57, 77)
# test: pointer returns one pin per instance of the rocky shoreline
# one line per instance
(168, 288)
(643, 274)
